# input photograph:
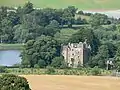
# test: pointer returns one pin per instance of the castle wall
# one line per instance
(75, 54)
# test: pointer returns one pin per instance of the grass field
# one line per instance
(81, 4)
(11, 46)
(66, 33)
(45, 82)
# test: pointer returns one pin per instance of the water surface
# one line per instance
(10, 57)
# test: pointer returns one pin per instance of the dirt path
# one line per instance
(44, 82)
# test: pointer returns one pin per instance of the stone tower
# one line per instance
(76, 54)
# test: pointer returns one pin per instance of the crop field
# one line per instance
(46, 82)
(81, 4)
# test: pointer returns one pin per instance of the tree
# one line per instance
(101, 58)
(20, 33)
(3, 12)
(51, 29)
(25, 32)
(80, 21)
(39, 17)
(57, 62)
(41, 63)
(68, 15)
(28, 8)
(54, 24)
(58, 16)
(86, 33)
(13, 17)
(40, 51)
(2, 69)
(112, 50)
(117, 59)
(80, 12)
(7, 31)
(13, 82)
(98, 19)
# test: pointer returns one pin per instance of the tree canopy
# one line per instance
(13, 82)
(40, 51)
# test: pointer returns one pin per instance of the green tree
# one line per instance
(40, 51)
(3, 12)
(117, 59)
(86, 33)
(7, 31)
(41, 63)
(57, 62)
(69, 15)
(98, 19)
(54, 24)
(112, 49)
(28, 8)
(2, 69)
(23, 33)
(101, 58)
(13, 82)
(13, 17)
(51, 29)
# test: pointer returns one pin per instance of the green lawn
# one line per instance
(11, 46)
(81, 4)
(65, 34)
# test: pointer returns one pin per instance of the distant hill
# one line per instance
(81, 4)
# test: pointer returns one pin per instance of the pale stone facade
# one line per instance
(76, 54)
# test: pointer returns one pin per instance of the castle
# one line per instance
(76, 54)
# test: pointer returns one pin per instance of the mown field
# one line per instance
(81, 4)
(11, 46)
(46, 82)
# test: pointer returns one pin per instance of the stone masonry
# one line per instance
(76, 54)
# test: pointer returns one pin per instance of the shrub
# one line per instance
(13, 82)
(96, 71)
(66, 72)
(50, 70)
(58, 62)
(2, 69)
(36, 66)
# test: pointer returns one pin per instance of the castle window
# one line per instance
(72, 61)
(73, 54)
(78, 56)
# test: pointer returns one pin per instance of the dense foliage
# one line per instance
(40, 29)
(3, 69)
(12, 82)
(86, 34)
(40, 51)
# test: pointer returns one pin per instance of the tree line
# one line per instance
(37, 28)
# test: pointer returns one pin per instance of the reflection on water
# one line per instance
(10, 57)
